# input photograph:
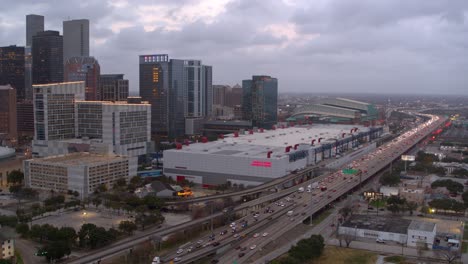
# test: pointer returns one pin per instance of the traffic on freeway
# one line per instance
(278, 217)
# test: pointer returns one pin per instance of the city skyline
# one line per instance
(385, 47)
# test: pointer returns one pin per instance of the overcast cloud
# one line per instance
(384, 46)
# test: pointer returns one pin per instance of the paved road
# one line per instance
(374, 163)
(370, 164)
(27, 249)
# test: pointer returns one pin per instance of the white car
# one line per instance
(236, 235)
(180, 251)
(177, 259)
(265, 234)
(253, 247)
(256, 235)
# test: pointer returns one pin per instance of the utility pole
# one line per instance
(211, 203)
(311, 206)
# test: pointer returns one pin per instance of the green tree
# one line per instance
(22, 229)
(461, 173)
(153, 202)
(67, 234)
(307, 249)
(56, 250)
(390, 179)
(127, 227)
(15, 177)
(411, 206)
(465, 198)
(452, 186)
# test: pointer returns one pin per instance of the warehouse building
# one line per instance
(257, 156)
(82, 172)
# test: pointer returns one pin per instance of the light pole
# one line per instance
(84, 217)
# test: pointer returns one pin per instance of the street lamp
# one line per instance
(432, 210)
(84, 216)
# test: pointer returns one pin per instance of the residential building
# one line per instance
(8, 248)
(54, 110)
(25, 118)
(34, 24)
(85, 69)
(82, 172)
(47, 57)
(260, 100)
(234, 96)
(65, 123)
(113, 87)
(156, 188)
(219, 94)
(75, 38)
(176, 89)
(8, 129)
(421, 233)
(388, 191)
(12, 65)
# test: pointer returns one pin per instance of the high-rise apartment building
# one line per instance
(12, 69)
(34, 24)
(25, 118)
(75, 38)
(113, 87)
(65, 123)
(8, 130)
(260, 100)
(234, 96)
(176, 89)
(219, 94)
(85, 69)
(54, 110)
(47, 57)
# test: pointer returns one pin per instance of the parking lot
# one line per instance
(77, 218)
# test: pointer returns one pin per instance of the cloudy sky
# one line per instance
(384, 46)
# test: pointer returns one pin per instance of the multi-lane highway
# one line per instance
(336, 187)
(302, 205)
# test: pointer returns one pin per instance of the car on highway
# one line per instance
(253, 247)
(243, 249)
(177, 259)
(379, 240)
(180, 251)
(223, 232)
(236, 235)
(241, 254)
(189, 249)
(256, 235)
(215, 244)
(265, 234)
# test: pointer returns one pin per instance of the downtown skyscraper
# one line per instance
(260, 101)
(47, 53)
(75, 38)
(176, 89)
(12, 66)
(85, 69)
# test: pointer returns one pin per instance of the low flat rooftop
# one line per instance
(422, 226)
(79, 158)
(259, 143)
(379, 223)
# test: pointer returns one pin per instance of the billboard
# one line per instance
(407, 157)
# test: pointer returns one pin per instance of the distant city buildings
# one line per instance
(227, 102)
(260, 100)
(75, 38)
(34, 25)
(12, 65)
(85, 69)
(8, 129)
(47, 57)
(113, 87)
(177, 89)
